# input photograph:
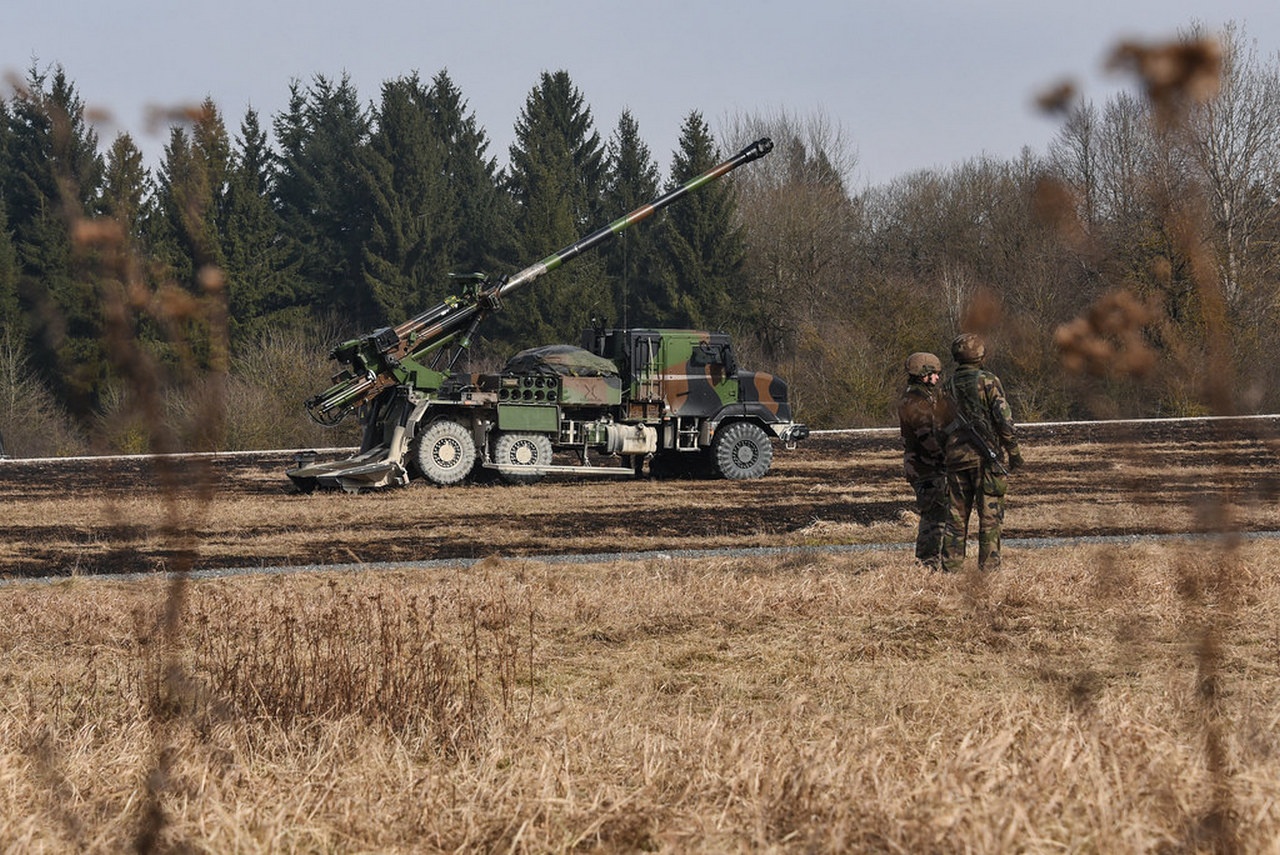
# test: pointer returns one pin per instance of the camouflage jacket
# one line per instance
(922, 438)
(979, 396)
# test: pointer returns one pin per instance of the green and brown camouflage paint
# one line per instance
(687, 374)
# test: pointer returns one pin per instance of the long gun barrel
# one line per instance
(756, 150)
(374, 358)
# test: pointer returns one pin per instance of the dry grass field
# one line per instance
(1087, 698)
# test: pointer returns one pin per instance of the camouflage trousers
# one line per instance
(931, 503)
(966, 489)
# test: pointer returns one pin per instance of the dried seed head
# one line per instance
(1173, 75)
(211, 278)
(1059, 98)
(160, 116)
(1056, 204)
(1108, 340)
(97, 232)
(982, 313)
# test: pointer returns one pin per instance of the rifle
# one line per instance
(993, 457)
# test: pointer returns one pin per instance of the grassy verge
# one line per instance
(1088, 699)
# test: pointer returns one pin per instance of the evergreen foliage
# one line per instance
(127, 189)
(191, 195)
(320, 195)
(631, 181)
(479, 216)
(187, 331)
(701, 242)
(11, 321)
(262, 275)
(555, 180)
(52, 182)
(12, 324)
(435, 205)
(407, 247)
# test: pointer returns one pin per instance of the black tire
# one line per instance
(521, 455)
(444, 452)
(742, 450)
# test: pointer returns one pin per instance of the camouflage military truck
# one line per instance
(673, 398)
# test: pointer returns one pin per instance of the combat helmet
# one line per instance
(968, 348)
(919, 364)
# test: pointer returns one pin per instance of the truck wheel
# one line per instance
(521, 456)
(444, 452)
(742, 450)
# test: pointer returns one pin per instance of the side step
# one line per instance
(571, 470)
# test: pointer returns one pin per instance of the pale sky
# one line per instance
(910, 84)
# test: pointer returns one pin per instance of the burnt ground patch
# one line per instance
(846, 479)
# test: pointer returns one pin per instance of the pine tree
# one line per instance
(6, 132)
(435, 207)
(408, 247)
(631, 181)
(556, 177)
(128, 205)
(11, 320)
(191, 194)
(702, 246)
(481, 215)
(127, 188)
(52, 182)
(262, 280)
(12, 324)
(189, 324)
(319, 195)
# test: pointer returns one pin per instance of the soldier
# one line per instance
(922, 456)
(979, 433)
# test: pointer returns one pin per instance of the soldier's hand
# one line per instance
(1015, 461)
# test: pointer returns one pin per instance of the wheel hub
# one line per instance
(447, 452)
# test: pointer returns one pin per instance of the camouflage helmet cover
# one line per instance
(921, 363)
(968, 348)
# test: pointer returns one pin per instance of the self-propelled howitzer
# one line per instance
(422, 418)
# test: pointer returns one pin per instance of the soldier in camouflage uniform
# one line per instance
(976, 413)
(922, 456)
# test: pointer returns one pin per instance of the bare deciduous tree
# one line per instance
(31, 422)
(1234, 142)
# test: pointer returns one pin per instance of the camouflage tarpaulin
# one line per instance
(563, 359)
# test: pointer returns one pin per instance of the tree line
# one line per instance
(1130, 270)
